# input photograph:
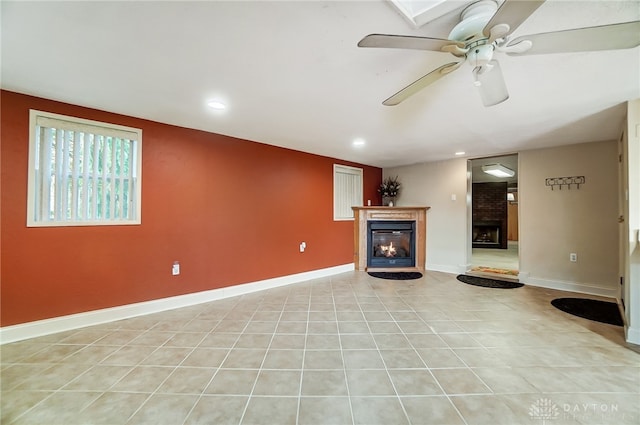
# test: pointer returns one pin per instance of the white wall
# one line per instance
(550, 223)
(632, 216)
(555, 223)
(433, 184)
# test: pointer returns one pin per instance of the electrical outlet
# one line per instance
(175, 269)
(573, 257)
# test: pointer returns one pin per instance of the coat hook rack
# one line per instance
(564, 181)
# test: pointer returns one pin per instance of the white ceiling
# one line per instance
(292, 75)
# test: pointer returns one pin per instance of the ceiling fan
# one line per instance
(484, 29)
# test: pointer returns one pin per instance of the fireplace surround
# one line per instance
(390, 238)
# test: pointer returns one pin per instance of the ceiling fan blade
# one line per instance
(409, 42)
(490, 82)
(510, 16)
(606, 37)
(421, 83)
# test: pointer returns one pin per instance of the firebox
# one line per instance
(391, 244)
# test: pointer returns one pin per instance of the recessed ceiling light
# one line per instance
(217, 105)
(460, 153)
(359, 142)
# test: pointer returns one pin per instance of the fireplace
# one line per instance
(390, 238)
(487, 234)
(391, 244)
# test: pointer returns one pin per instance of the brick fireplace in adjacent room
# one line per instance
(390, 238)
(489, 215)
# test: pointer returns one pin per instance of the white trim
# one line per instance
(568, 286)
(632, 335)
(447, 268)
(34, 185)
(74, 321)
(345, 195)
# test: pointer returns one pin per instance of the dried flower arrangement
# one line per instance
(390, 187)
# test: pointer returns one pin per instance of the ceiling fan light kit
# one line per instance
(485, 29)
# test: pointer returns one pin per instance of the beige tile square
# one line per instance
(402, 359)
(15, 403)
(323, 342)
(218, 410)
(460, 381)
(292, 327)
(219, 340)
(143, 379)
(357, 341)
(431, 410)
(271, 410)
(395, 341)
(324, 410)
(369, 383)
(253, 341)
(232, 382)
(167, 409)
(283, 359)
(362, 359)
(90, 354)
(378, 411)
(241, 358)
(440, 357)
(323, 359)
(152, 338)
(288, 341)
(356, 327)
(187, 380)
(167, 356)
(98, 378)
(128, 355)
(206, 357)
(112, 408)
(324, 383)
(322, 328)
(186, 339)
(278, 382)
(414, 382)
(261, 327)
(53, 378)
(60, 408)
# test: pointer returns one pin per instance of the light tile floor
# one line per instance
(350, 349)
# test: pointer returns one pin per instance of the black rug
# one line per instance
(599, 311)
(396, 275)
(488, 282)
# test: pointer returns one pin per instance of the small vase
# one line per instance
(391, 203)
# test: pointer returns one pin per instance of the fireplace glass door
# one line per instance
(391, 244)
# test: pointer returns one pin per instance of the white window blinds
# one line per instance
(82, 172)
(347, 191)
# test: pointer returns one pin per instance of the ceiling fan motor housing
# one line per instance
(480, 55)
(473, 20)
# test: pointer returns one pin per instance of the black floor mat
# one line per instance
(599, 311)
(396, 275)
(488, 282)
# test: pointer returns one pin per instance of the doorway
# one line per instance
(494, 216)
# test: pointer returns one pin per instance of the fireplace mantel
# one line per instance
(364, 214)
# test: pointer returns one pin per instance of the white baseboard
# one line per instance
(568, 286)
(96, 317)
(632, 335)
(447, 268)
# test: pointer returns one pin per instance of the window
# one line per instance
(347, 191)
(82, 172)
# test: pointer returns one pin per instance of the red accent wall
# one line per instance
(231, 211)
